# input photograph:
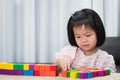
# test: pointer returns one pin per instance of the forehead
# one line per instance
(82, 28)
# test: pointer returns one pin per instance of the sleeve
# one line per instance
(109, 63)
(67, 51)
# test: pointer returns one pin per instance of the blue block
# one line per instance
(90, 75)
(28, 72)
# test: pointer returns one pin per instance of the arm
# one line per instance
(109, 63)
(64, 57)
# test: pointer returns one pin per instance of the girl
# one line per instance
(85, 34)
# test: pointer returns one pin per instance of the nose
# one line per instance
(83, 40)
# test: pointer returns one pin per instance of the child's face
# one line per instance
(85, 38)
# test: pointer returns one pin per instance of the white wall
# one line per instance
(33, 30)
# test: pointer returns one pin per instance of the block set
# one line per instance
(28, 69)
(50, 70)
(84, 73)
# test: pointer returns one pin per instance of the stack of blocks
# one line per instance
(85, 73)
(28, 69)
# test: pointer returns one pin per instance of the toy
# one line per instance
(28, 69)
(84, 73)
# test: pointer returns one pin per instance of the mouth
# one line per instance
(86, 45)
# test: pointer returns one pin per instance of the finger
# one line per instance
(68, 65)
(64, 67)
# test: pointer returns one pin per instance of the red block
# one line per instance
(53, 68)
(36, 73)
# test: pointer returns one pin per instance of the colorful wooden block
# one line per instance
(64, 73)
(36, 73)
(85, 73)
(26, 66)
(31, 66)
(18, 67)
(29, 72)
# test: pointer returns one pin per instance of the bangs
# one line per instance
(85, 22)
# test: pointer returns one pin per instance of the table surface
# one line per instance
(113, 76)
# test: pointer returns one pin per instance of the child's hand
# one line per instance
(64, 63)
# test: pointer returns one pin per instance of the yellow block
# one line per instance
(26, 66)
(7, 66)
(73, 74)
(2, 65)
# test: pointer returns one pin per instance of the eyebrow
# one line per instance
(85, 33)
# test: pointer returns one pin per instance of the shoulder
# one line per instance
(104, 54)
(67, 51)
(69, 48)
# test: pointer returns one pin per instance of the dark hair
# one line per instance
(89, 18)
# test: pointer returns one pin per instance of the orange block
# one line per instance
(42, 73)
(47, 73)
(41, 67)
(64, 73)
(47, 68)
(53, 73)
(36, 67)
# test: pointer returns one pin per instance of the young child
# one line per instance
(85, 34)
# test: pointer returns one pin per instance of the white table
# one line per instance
(113, 76)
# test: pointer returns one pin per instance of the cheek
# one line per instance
(94, 41)
(77, 41)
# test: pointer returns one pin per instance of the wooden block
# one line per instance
(7, 66)
(31, 66)
(42, 73)
(53, 68)
(64, 73)
(89, 75)
(29, 72)
(42, 67)
(36, 68)
(26, 66)
(36, 73)
(73, 74)
(18, 67)
(83, 75)
(108, 71)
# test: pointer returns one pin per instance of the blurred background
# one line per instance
(32, 31)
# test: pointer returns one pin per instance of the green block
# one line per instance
(18, 67)
(68, 74)
(78, 74)
(108, 71)
(74, 68)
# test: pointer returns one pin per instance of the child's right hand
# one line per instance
(63, 63)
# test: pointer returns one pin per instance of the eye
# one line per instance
(77, 36)
(88, 35)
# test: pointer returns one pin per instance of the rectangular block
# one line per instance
(64, 73)
(53, 67)
(36, 68)
(29, 72)
(26, 66)
(8, 66)
(73, 74)
(18, 67)
(31, 66)
(36, 73)
(11, 72)
(42, 67)
(42, 73)
(18, 72)
(2, 65)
